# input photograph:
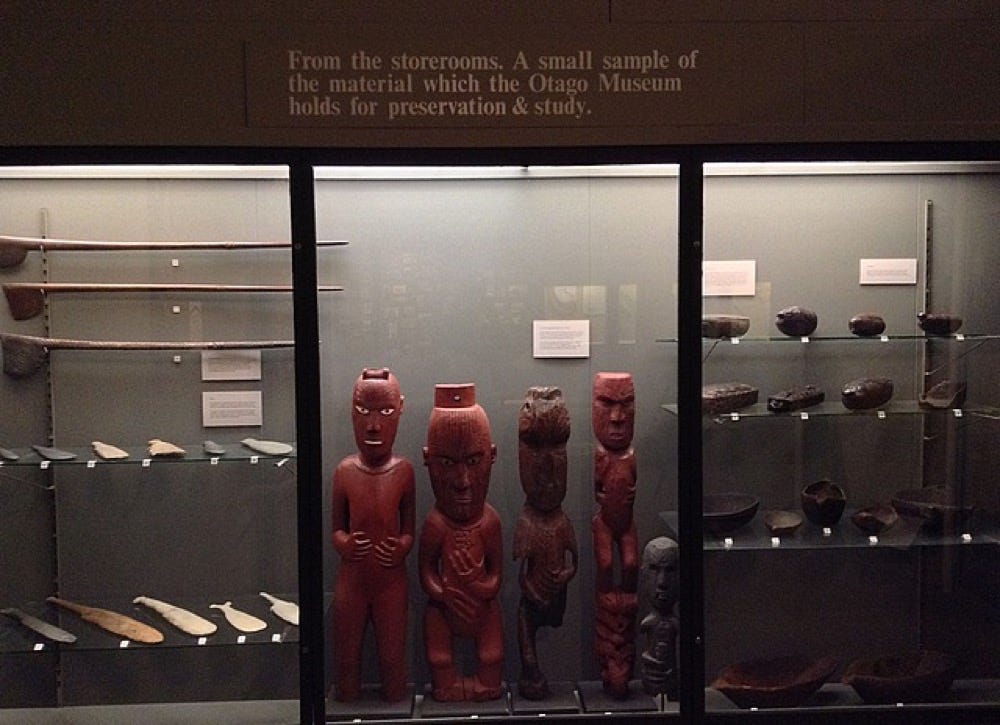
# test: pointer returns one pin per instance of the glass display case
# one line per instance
(147, 339)
(832, 552)
(849, 442)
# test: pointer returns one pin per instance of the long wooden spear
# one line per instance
(23, 355)
(27, 299)
(13, 250)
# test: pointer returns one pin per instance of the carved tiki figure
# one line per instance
(544, 540)
(373, 525)
(613, 420)
(661, 625)
(461, 548)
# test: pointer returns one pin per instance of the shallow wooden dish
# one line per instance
(910, 677)
(779, 682)
(725, 512)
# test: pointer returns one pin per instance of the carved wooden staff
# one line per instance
(27, 299)
(23, 355)
(13, 250)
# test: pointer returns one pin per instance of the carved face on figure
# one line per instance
(613, 410)
(375, 410)
(659, 572)
(543, 428)
(459, 454)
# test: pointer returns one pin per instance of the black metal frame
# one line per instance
(691, 161)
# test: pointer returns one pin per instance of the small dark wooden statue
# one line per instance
(613, 420)
(660, 627)
(544, 540)
(373, 511)
(461, 548)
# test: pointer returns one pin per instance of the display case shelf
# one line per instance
(15, 637)
(832, 408)
(979, 529)
(139, 455)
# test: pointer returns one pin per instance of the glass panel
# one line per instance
(852, 535)
(446, 274)
(128, 529)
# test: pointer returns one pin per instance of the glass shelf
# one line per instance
(15, 637)
(139, 455)
(832, 408)
(958, 337)
(905, 533)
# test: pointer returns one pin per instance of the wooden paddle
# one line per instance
(112, 622)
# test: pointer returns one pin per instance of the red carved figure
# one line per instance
(544, 540)
(613, 420)
(373, 525)
(461, 548)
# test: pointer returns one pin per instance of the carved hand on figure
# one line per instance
(465, 567)
(389, 553)
(357, 546)
(461, 603)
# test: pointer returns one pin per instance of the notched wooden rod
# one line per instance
(27, 299)
(23, 355)
(13, 250)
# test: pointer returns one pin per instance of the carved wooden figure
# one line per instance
(613, 420)
(461, 548)
(373, 527)
(544, 540)
(660, 627)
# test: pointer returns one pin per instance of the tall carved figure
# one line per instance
(544, 540)
(613, 420)
(373, 528)
(461, 548)
(660, 626)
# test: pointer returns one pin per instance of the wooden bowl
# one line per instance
(875, 519)
(936, 506)
(782, 523)
(725, 512)
(911, 677)
(823, 502)
(779, 682)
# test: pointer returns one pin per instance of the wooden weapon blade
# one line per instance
(27, 299)
(25, 354)
(49, 631)
(14, 249)
(112, 622)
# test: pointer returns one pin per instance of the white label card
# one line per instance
(232, 408)
(560, 338)
(725, 278)
(230, 365)
(888, 271)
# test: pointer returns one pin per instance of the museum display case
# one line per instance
(851, 522)
(824, 457)
(148, 363)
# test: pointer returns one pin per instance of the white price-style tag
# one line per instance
(123, 644)
(91, 464)
(254, 460)
(202, 640)
(147, 462)
(39, 646)
(242, 639)
(966, 538)
(884, 338)
(214, 461)
(804, 338)
(881, 415)
(827, 531)
(734, 340)
(734, 416)
(872, 541)
(276, 638)
(804, 415)
(727, 542)
(957, 412)
(960, 336)
(775, 542)
(44, 465)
